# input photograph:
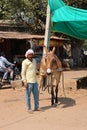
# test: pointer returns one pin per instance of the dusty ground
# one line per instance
(70, 114)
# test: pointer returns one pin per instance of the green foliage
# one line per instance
(28, 12)
(77, 3)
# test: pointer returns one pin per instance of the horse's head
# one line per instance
(50, 61)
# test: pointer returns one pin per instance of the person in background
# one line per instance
(29, 79)
(6, 67)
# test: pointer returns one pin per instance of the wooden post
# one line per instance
(47, 30)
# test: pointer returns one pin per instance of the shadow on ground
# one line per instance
(64, 101)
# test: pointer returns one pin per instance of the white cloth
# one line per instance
(30, 51)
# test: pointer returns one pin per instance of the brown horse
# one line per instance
(51, 67)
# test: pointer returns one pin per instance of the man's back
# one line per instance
(2, 63)
(5, 61)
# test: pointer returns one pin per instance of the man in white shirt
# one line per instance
(29, 79)
(5, 67)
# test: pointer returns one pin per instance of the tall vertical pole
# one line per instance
(47, 30)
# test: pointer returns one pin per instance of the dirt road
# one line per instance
(70, 114)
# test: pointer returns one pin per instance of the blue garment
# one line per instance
(6, 70)
(4, 62)
(32, 87)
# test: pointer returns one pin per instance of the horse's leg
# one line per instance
(56, 97)
(40, 84)
(52, 95)
(56, 90)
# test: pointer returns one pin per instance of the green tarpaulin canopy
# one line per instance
(69, 20)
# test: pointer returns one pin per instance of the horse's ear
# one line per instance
(53, 50)
(45, 48)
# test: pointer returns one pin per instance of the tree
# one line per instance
(77, 3)
(29, 12)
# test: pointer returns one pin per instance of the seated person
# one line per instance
(6, 67)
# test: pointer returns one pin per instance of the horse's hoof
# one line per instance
(54, 105)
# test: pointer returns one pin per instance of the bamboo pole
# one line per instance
(47, 30)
